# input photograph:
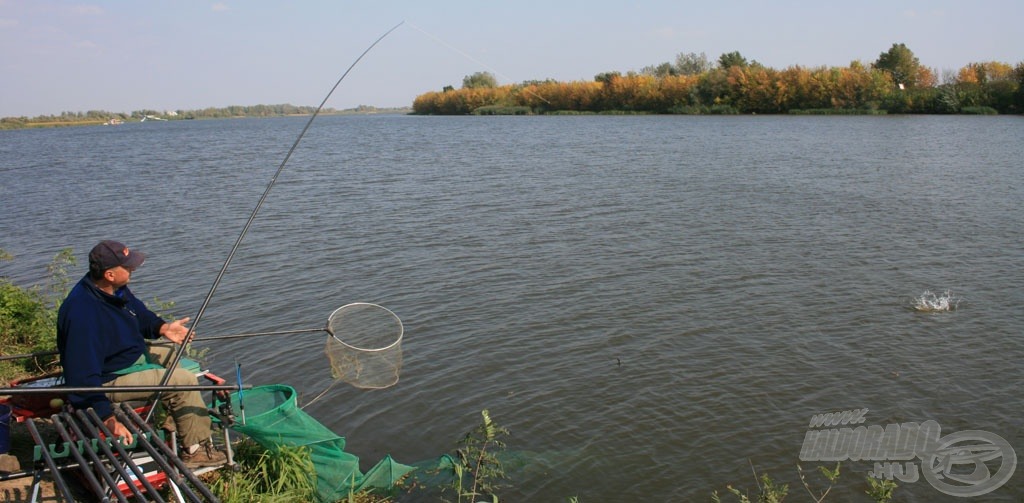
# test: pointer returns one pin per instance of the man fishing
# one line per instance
(102, 334)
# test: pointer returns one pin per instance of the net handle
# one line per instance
(398, 340)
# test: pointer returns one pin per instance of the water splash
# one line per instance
(929, 302)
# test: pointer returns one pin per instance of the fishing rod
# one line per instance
(252, 217)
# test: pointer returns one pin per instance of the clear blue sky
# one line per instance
(122, 56)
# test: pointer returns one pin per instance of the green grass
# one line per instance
(283, 475)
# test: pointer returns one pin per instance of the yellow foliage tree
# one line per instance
(980, 73)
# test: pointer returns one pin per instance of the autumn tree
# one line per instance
(607, 77)
(479, 80)
(663, 70)
(552, 96)
(677, 93)
(731, 59)
(692, 64)
(686, 64)
(994, 82)
(982, 73)
(900, 62)
(755, 89)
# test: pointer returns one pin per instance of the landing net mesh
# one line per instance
(275, 420)
(365, 345)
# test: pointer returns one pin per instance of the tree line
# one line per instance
(895, 83)
(102, 116)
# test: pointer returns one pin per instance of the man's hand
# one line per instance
(118, 429)
(176, 330)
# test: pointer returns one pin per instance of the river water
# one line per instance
(650, 305)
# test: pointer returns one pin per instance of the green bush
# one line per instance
(979, 111)
(28, 317)
(501, 110)
(477, 472)
(723, 110)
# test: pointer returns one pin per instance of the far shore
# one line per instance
(114, 119)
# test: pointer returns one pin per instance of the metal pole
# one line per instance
(58, 480)
(60, 390)
(94, 483)
(140, 426)
(97, 463)
(126, 458)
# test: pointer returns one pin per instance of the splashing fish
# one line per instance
(929, 302)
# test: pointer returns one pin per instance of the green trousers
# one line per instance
(186, 408)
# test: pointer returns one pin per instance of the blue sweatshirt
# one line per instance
(99, 334)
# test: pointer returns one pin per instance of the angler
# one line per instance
(102, 334)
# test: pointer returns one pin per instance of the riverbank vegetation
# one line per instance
(894, 83)
(771, 491)
(28, 318)
(101, 117)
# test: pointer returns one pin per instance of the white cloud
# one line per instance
(219, 7)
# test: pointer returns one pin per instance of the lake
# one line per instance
(650, 304)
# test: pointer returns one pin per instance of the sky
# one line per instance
(122, 56)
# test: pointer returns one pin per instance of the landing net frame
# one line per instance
(364, 345)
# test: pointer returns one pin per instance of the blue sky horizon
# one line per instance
(121, 56)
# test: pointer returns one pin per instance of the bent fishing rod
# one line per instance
(220, 275)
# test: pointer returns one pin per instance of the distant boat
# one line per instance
(152, 117)
(113, 122)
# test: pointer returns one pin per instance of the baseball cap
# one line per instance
(109, 254)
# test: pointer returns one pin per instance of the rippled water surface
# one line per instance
(649, 304)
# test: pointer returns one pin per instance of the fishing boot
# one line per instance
(203, 454)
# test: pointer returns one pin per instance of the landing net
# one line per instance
(365, 345)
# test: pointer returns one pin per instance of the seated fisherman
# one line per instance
(102, 333)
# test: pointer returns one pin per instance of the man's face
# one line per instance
(118, 276)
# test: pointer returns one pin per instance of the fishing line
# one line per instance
(220, 275)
